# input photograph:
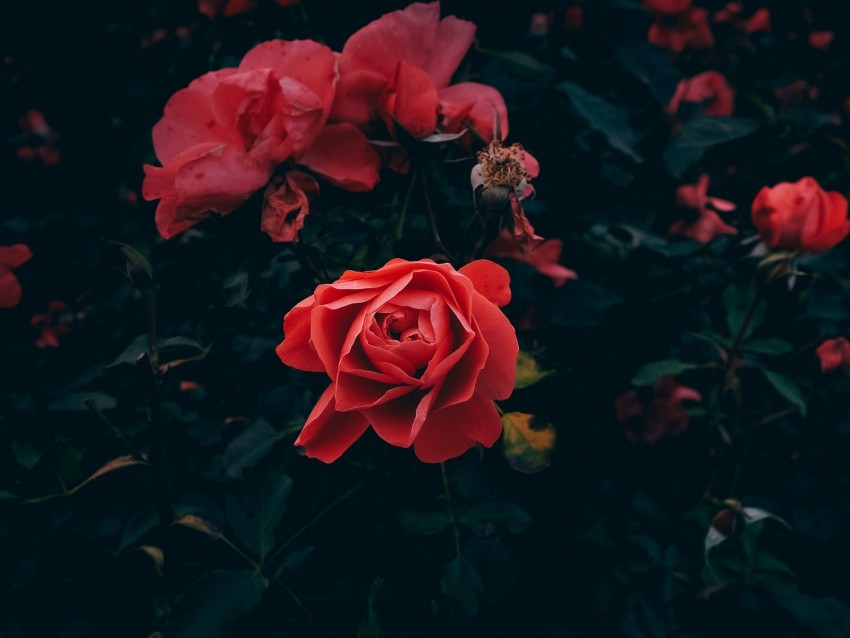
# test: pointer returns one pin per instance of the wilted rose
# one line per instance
(418, 350)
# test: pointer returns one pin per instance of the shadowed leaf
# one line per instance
(527, 442)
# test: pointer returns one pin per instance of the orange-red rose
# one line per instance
(418, 350)
(800, 216)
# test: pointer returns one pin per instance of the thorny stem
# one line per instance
(450, 508)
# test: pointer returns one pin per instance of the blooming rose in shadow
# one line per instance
(708, 91)
(11, 257)
(221, 138)
(688, 30)
(398, 68)
(544, 256)
(708, 223)
(418, 350)
(661, 416)
(800, 216)
(834, 354)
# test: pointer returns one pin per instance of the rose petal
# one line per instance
(410, 99)
(345, 157)
(496, 380)
(450, 432)
(296, 350)
(476, 106)
(328, 433)
(490, 280)
(13, 256)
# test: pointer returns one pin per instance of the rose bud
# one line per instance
(834, 354)
(800, 216)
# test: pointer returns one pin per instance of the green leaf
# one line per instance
(255, 510)
(528, 371)
(768, 346)
(213, 605)
(505, 514)
(701, 134)
(738, 298)
(425, 523)
(788, 388)
(76, 401)
(248, 448)
(652, 372)
(462, 582)
(26, 454)
(825, 617)
(370, 626)
(527, 441)
(521, 64)
(652, 66)
(603, 117)
(235, 289)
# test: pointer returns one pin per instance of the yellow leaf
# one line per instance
(156, 554)
(199, 525)
(528, 371)
(527, 442)
(111, 466)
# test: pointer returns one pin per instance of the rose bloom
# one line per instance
(220, 139)
(399, 68)
(800, 216)
(544, 256)
(834, 354)
(708, 223)
(667, 7)
(11, 257)
(690, 30)
(649, 420)
(709, 90)
(418, 350)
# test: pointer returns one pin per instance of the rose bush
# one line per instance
(418, 350)
(800, 216)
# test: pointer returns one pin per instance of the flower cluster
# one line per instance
(298, 103)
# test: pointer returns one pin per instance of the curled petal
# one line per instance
(450, 432)
(490, 280)
(286, 205)
(476, 106)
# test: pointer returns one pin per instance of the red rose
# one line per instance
(400, 66)
(800, 216)
(661, 417)
(834, 354)
(10, 258)
(689, 30)
(667, 7)
(544, 256)
(709, 90)
(417, 350)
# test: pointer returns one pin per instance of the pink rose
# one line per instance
(399, 67)
(834, 354)
(11, 257)
(708, 223)
(220, 139)
(690, 30)
(660, 417)
(709, 90)
(418, 350)
(800, 216)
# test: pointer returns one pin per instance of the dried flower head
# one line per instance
(501, 166)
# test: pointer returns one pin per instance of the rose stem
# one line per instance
(399, 229)
(450, 507)
(438, 242)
